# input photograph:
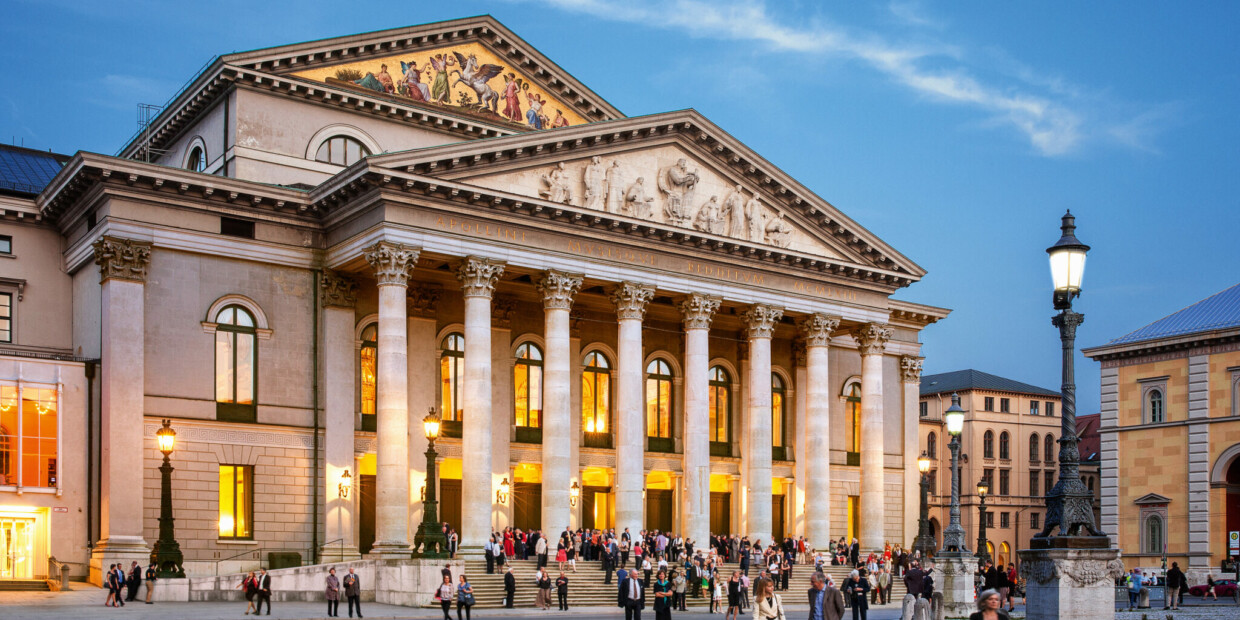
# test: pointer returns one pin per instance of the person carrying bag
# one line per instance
(767, 604)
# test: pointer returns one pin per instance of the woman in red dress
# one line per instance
(509, 550)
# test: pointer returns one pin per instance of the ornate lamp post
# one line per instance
(954, 563)
(166, 554)
(430, 538)
(953, 535)
(924, 542)
(983, 554)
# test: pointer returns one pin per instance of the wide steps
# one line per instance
(24, 585)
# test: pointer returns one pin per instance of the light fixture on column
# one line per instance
(573, 493)
(166, 554)
(346, 484)
(501, 496)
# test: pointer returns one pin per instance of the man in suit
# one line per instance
(264, 592)
(857, 586)
(488, 550)
(884, 585)
(621, 575)
(510, 587)
(353, 592)
(131, 583)
(632, 596)
(825, 602)
(854, 553)
(606, 562)
(912, 580)
(626, 541)
(540, 549)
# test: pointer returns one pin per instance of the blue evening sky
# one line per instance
(959, 137)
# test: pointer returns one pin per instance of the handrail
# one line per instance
(59, 572)
(257, 550)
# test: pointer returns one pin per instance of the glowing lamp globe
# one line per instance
(954, 416)
(1067, 263)
(166, 438)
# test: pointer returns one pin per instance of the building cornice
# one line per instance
(915, 315)
(1204, 342)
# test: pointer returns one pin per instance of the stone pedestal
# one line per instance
(953, 576)
(1070, 583)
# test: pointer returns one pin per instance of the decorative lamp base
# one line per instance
(953, 576)
(1070, 583)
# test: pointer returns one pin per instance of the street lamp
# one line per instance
(430, 538)
(501, 496)
(953, 534)
(573, 493)
(983, 554)
(924, 542)
(166, 554)
(1069, 505)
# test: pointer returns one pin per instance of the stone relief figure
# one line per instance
(636, 202)
(557, 189)
(755, 219)
(778, 232)
(708, 218)
(734, 212)
(678, 183)
(594, 179)
(614, 201)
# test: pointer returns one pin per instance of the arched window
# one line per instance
(779, 398)
(341, 150)
(1004, 451)
(659, 405)
(527, 386)
(1155, 406)
(368, 365)
(1035, 447)
(988, 445)
(452, 377)
(235, 369)
(596, 394)
(852, 432)
(197, 160)
(1153, 538)
(1049, 453)
(932, 445)
(720, 386)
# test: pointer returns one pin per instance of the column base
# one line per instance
(390, 551)
(117, 550)
(953, 576)
(336, 553)
(1070, 583)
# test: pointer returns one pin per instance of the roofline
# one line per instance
(1162, 345)
(917, 314)
(1047, 394)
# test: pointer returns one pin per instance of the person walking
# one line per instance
(151, 575)
(445, 595)
(744, 591)
(353, 592)
(1175, 583)
(561, 591)
(857, 586)
(989, 607)
(767, 604)
(263, 591)
(464, 597)
(332, 593)
(510, 587)
(110, 582)
(632, 595)
(249, 587)
(734, 596)
(825, 602)
(663, 597)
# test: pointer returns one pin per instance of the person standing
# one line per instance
(561, 591)
(872, 577)
(884, 585)
(678, 589)
(825, 602)
(488, 550)
(632, 596)
(464, 597)
(544, 590)
(854, 553)
(767, 605)
(133, 581)
(734, 596)
(912, 580)
(262, 591)
(540, 550)
(663, 597)
(150, 581)
(857, 586)
(1175, 583)
(561, 554)
(353, 592)
(510, 587)
(110, 582)
(445, 595)
(989, 607)
(332, 593)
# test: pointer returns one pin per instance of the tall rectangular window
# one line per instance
(6, 244)
(1005, 519)
(1050, 408)
(1033, 407)
(29, 427)
(6, 317)
(933, 479)
(1050, 482)
(989, 474)
(990, 519)
(1004, 482)
(923, 408)
(1005, 405)
(1034, 479)
(1033, 520)
(989, 403)
(236, 501)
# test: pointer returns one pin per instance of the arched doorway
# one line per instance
(1233, 503)
(1005, 555)
(934, 533)
(1225, 478)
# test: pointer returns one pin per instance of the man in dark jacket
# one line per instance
(135, 579)
(1175, 584)
(632, 596)
(927, 585)
(912, 580)
(854, 553)
(353, 592)
(825, 602)
(510, 587)
(856, 587)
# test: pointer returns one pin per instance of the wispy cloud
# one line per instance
(1043, 110)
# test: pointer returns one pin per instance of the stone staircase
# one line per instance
(587, 589)
(24, 585)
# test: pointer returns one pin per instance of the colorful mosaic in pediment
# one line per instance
(468, 77)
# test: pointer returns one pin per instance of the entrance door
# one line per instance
(659, 510)
(527, 505)
(366, 516)
(16, 548)
(596, 507)
(450, 503)
(854, 514)
(720, 513)
(777, 518)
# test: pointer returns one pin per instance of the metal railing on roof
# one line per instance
(164, 108)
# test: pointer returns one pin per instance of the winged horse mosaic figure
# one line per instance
(476, 77)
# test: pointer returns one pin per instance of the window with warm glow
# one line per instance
(236, 501)
(452, 378)
(779, 395)
(29, 424)
(852, 432)
(368, 364)
(235, 368)
(659, 399)
(527, 386)
(720, 387)
(596, 394)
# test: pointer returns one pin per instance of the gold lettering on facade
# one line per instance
(611, 252)
(822, 290)
(480, 229)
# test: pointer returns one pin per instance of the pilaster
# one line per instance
(558, 289)
(910, 381)
(338, 294)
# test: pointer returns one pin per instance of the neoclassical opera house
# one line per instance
(624, 322)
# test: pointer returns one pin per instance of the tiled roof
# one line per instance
(1218, 311)
(27, 171)
(961, 380)
(1090, 445)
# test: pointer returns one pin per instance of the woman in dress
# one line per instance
(663, 596)
(249, 586)
(332, 593)
(561, 554)
(734, 596)
(509, 550)
(444, 595)
(110, 582)
(464, 597)
(989, 607)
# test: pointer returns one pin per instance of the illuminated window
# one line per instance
(29, 424)
(1005, 451)
(6, 317)
(988, 445)
(659, 400)
(853, 431)
(452, 378)
(720, 386)
(527, 386)
(368, 363)
(596, 394)
(236, 501)
(779, 396)
(341, 150)
(235, 370)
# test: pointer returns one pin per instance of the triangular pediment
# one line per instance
(1152, 498)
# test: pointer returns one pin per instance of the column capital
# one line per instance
(817, 329)
(122, 259)
(872, 338)
(338, 291)
(699, 310)
(630, 299)
(478, 275)
(761, 320)
(558, 288)
(392, 262)
(423, 300)
(910, 369)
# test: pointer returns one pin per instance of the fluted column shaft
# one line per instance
(557, 289)
(697, 312)
(761, 320)
(478, 276)
(816, 329)
(630, 300)
(872, 341)
(392, 264)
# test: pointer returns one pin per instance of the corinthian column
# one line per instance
(630, 299)
(872, 340)
(910, 378)
(761, 320)
(478, 276)
(122, 267)
(817, 329)
(697, 311)
(557, 289)
(339, 407)
(392, 264)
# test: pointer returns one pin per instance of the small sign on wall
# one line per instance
(60, 509)
(1233, 541)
